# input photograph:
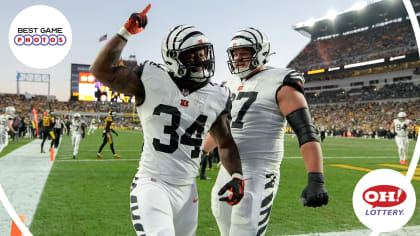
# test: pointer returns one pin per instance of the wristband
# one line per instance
(124, 33)
(237, 175)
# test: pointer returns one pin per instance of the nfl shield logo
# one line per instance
(185, 92)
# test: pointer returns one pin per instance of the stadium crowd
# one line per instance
(366, 93)
(24, 123)
(362, 114)
(384, 41)
(367, 118)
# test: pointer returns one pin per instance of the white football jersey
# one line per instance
(257, 124)
(399, 127)
(4, 121)
(76, 127)
(92, 122)
(175, 123)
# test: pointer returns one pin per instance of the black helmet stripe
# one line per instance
(192, 34)
(262, 38)
(253, 35)
(169, 36)
(242, 37)
(179, 32)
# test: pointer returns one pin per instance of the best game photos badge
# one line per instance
(40, 36)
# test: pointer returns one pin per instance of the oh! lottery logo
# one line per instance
(384, 200)
(40, 36)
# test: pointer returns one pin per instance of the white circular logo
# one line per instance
(40, 36)
(384, 200)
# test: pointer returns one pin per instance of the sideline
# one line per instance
(23, 175)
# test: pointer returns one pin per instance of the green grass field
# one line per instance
(91, 197)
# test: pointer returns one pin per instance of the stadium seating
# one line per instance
(390, 40)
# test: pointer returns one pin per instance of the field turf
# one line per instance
(87, 196)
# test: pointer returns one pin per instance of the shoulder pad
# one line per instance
(138, 70)
(295, 79)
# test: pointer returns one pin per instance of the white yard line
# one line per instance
(405, 231)
(69, 159)
(23, 175)
(377, 157)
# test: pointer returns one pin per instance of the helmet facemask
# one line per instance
(237, 69)
(197, 62)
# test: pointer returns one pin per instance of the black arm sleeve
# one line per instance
(300, 121)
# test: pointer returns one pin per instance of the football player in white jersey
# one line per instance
(92, 126)
(178, 105)
(6, 126)
(263, 98)
(400, 127)
(78, 133)
(3, 132)
(6, 121)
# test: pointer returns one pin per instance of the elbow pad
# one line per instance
(300, 121)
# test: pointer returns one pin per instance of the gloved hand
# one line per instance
(236, 186)
(405, 127)
(315, 194)
(135, 24)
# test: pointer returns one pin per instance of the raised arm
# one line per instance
(106, 65)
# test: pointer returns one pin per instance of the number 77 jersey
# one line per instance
(175, 123)
(257, 124)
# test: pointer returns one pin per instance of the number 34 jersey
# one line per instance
(257, 124)
(175, 123)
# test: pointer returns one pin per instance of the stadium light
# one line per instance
(332, 14)
(310, 22)
(359, 5)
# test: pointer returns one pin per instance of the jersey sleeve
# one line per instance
(228, 105)
(294, 79)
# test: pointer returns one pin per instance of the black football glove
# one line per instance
(236, 186)
(315, 194)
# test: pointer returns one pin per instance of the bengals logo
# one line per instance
(184, 103)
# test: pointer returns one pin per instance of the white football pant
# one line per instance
(92, 129)
(75, 140)
(4, 139)
(402, 144)
(250, 217)
(162, 209)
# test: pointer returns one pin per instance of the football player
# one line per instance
(47, 129)
(108, 136)
(400, 127)
(78, 133)
(6, 126)
(92, 126)
(263, 99)
(178, 105)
